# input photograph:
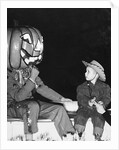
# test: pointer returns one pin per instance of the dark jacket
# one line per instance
(86, 91)
(15, 93)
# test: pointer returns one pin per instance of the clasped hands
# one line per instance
(69, 104)
(93, 102)
(63, 100)
(98, 105)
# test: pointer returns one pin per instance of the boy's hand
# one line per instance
(100, 102)
(99, 107)
(92, 102)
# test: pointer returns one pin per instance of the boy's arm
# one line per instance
(105, 113)
(106, 98)
(107, 117)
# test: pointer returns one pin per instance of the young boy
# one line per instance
(92, 91)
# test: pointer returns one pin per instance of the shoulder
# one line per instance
(103, 85)
(82, 86)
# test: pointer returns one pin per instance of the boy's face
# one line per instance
(90, 74)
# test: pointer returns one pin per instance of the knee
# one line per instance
(79, 128)
(61, 109)
(34, 106)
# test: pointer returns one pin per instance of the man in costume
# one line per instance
(25, 51)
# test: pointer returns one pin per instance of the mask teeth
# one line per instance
(26, 58)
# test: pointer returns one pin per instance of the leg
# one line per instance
(80, 121)
(98, 124)
(28, 111)
(58, 114)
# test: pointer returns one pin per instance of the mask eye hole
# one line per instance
(26, 37)
(38, 46)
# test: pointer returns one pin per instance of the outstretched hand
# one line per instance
(71, 105)
(65, 100)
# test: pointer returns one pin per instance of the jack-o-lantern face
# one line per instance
(24, 47)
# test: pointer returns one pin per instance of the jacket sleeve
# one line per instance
(47, 92)
(17, 93)
(106, 98)
(25, 91)
(82, 97)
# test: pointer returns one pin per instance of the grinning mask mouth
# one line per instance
(31, 55)
(31, 60)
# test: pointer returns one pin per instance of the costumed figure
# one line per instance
(24, 52)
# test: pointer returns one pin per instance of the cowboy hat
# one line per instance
(97, 67)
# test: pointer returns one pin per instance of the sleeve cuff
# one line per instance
(36, 86)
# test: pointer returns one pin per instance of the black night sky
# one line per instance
(70, 36)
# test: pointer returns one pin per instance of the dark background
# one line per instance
(70, 36)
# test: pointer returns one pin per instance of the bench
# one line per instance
(48, 132)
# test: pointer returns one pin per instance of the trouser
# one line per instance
(28, 110)
(97, 120)
(58, 115)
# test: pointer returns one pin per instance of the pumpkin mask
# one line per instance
(24, 47)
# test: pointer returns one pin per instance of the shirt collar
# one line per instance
(91, 84)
